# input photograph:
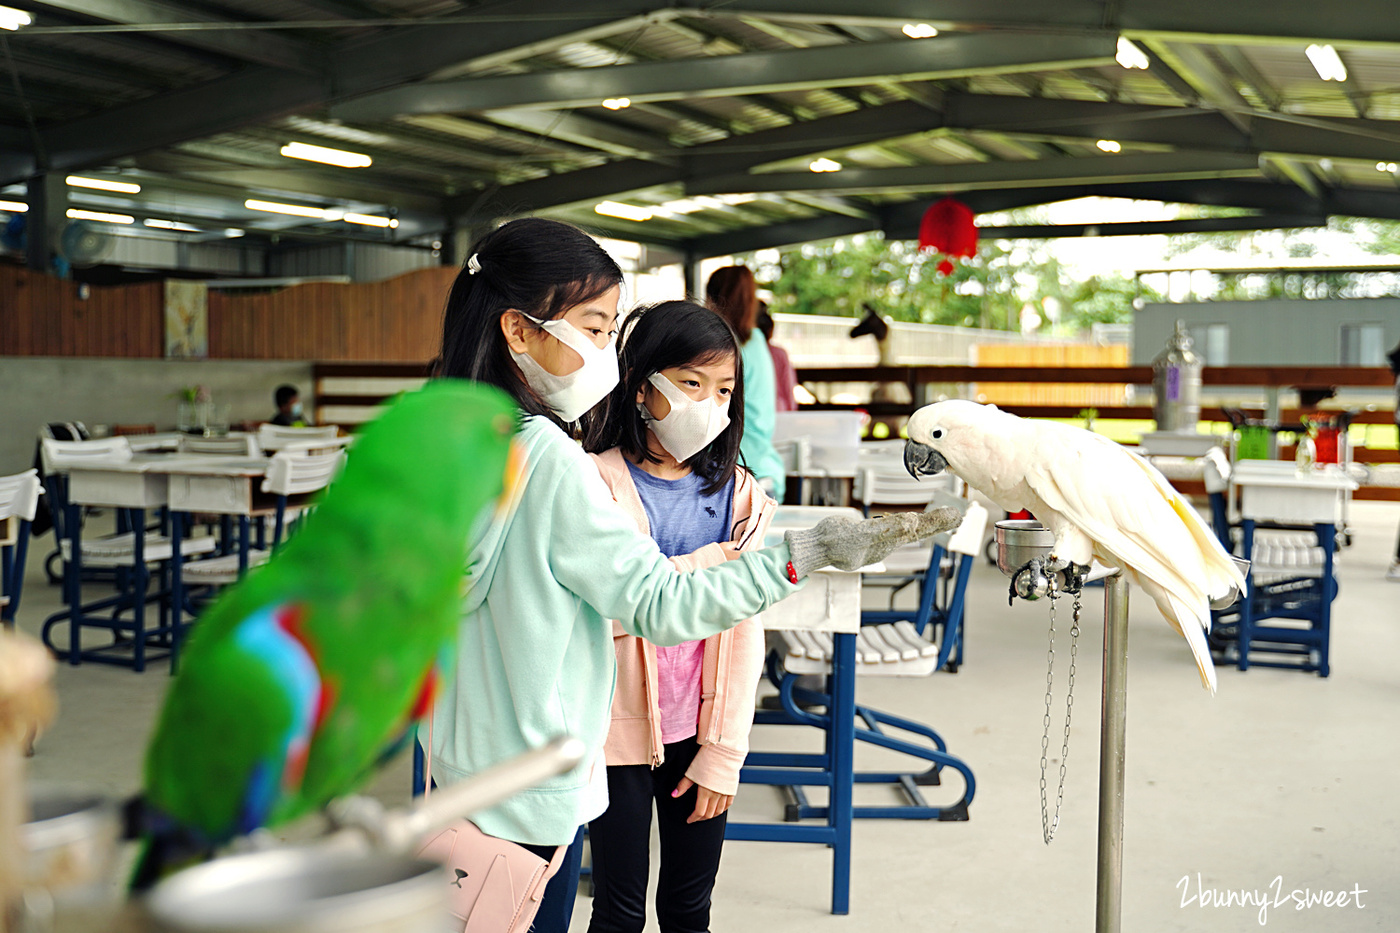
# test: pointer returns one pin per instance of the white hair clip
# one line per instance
(473, 264)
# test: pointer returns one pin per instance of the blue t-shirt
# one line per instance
(682, 518)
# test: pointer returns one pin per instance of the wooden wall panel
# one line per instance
(399, 319)
(43, 316)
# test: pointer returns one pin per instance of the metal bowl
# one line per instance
(1020, 540)
(1225, 602)
(303, 890)
(71, 840)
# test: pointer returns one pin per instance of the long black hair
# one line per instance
(662, 336)
(538, 266)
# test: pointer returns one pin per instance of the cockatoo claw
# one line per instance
(1073, 578)
(1030, 582)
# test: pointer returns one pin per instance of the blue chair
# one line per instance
(19, 497)
(1292, 577)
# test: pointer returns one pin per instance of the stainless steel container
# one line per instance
(304, 890)
(1176, 384)
(1021, 540)
(71, 841)
(71, 846)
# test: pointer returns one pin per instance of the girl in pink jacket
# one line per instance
(668, 449)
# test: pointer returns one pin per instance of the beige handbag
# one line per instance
(493, 885)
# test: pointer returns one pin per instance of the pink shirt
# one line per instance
(784, 378)
(678, 689)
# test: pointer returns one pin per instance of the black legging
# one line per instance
(621, 846)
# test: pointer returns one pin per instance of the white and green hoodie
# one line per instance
(535, 649)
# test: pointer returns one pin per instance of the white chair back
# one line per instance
(1216, 470)
(19, 495)
(60, 456)
(276, 437)
(967, 539)
(234, 445)
(294, 473)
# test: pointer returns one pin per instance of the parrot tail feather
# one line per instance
(1193, 626)
(165, 847)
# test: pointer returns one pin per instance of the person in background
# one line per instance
(289, 410)
(732, 294)
(784, 376)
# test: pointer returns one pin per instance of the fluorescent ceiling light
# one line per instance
(14, 207)
(1129, 55)
(625, 211)
(617, 103)
(701, 202)
(919, 31)
(101, 216)
(326, 155)
(102, 184)
(825, 165)
(296, 210)
(13, 19)
(232, 232)
(160, 224)
(1327, 62)
(369, 220)
(1109, 145)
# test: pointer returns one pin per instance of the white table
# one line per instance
(181, 482)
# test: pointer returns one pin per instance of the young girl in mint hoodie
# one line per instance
(681, 715)
(533, 312)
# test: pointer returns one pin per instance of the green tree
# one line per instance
(838, 277)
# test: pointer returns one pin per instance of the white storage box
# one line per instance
(818, 443)
(1178, 444)
(1277, 491)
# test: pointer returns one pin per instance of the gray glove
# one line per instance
(847, 544)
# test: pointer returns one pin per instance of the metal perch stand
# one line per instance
(1109, 904)
(1018, 543)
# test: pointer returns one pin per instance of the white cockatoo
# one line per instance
(1099, 499)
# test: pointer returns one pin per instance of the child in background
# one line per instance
(668, 451)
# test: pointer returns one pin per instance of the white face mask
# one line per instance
(572, 395)
(689, 426)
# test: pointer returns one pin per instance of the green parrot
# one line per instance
(310, 672)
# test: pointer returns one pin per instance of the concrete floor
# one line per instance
(1281, 774)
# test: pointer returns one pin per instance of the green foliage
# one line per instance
(1381, 237)
(838, 277)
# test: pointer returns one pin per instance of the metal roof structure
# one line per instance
(481, 110)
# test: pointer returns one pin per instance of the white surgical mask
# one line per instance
(689, 426)
(572, 395)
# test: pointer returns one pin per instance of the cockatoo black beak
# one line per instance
(922, 460)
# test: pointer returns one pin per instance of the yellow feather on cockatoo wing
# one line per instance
(1222, 573)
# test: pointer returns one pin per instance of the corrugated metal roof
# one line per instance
(71, 75)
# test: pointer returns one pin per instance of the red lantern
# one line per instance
(948, 227)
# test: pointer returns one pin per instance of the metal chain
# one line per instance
(1047, 824)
